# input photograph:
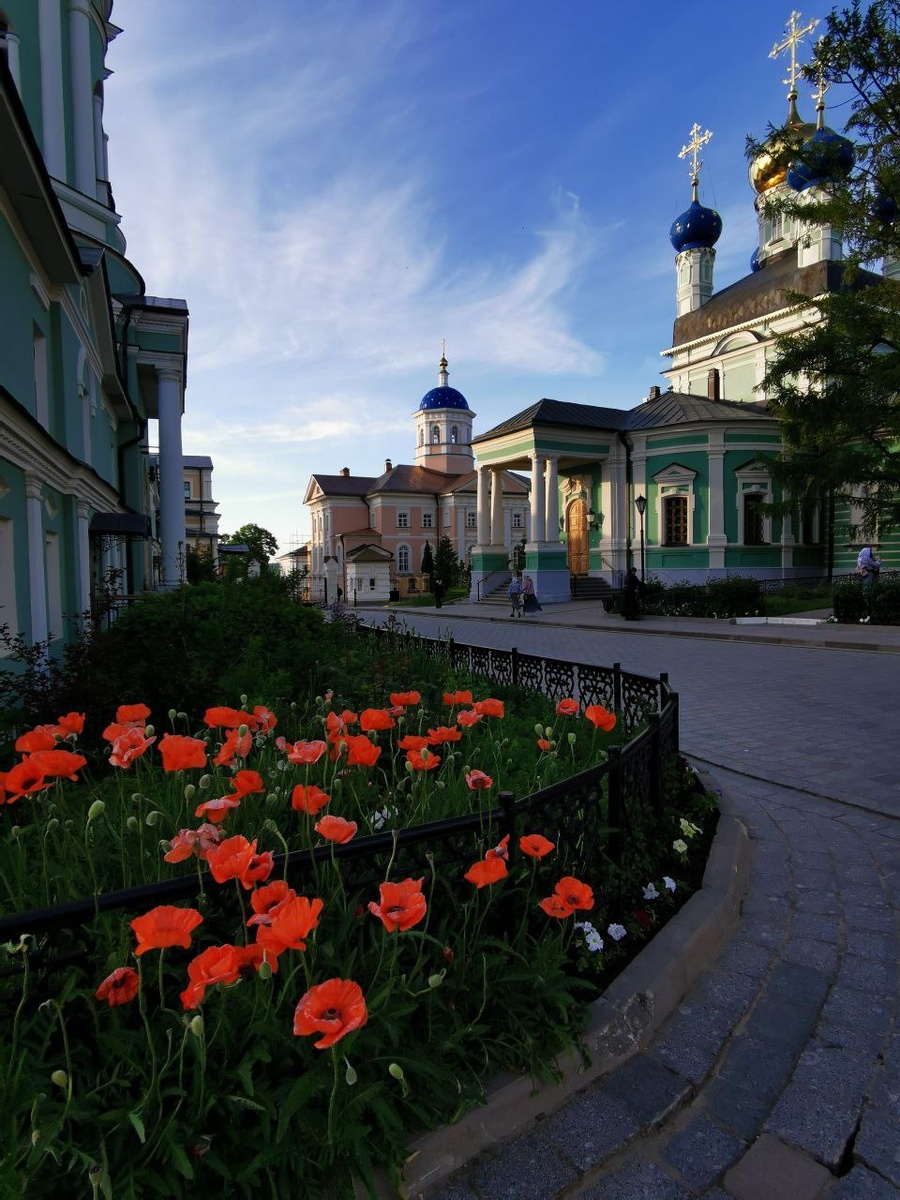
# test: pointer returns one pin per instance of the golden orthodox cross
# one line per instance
(794, 35)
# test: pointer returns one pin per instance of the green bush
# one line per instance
(737, 596)
(882, 605)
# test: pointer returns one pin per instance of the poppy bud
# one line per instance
(435, 981)
(548, 732)
(351, 1076)
(172, 714)
(394, 1069)
(449, 956)
(189, 791)
(539, 729)
(204, 781)
(16, 830)
(96, 810)
(182, 716)
(265, 970)
(571, 737)
(133, 823)
(152, 818)
(149, 731)
(35, 1136)
(195, 1025)
(270, 826)
(242, 730)
(60, 1078)
(244, 701)
(136, 797)
(51, 824)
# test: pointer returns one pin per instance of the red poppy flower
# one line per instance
(197, 841)
(265, 720)
(120, 987)
(40, 738)
(375, 718)
(336, 724)
(468, 717)
(61, 764)
(236, 858)
(165, 926)
(266, 899)
(478, 781)
(405, 699)
(236, 745)
(569, 894)
(455, 698)
(132, 714)
(228, 718)
(306, 753)
(308, 799)
(247, 783)
(568, 707)
(216, 964)
(535, 846)
(501, 850)
(642, 917)
(544, 745)
(412, 741)
(422, 760)
(217, 809)
(334, 1009)
(361, 752)
(336, 829)
(72, 722)
(180, 753)
(252, 957)
(490, 708)
(486, 871)
(131, 744)
(402, 905)
(293, 920)
(443, 733)
(600, 717)
(24, 779)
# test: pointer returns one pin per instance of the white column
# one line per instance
(460, 534)
(496, 506)
(483, 519)
(100, 158)
(37, 580)
(717, 540)
(552, 499)
(53, 134)
(538, 528)
(171, 475)
(83, 553)
(82, 97)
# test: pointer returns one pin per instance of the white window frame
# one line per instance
(403, 518)
(673, 481)
(753, 479)
(427, 520)
(404, 556)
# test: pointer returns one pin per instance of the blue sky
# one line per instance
(333, 187)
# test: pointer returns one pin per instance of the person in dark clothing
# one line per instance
(632, 591)
(438, 593)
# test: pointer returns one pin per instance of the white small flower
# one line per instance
(594, 941)
(616, 932)
(381, 816)
(669, 882)
(650, 892)
(679, 846)
(688, 828)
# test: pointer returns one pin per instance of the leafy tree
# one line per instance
(446, 564)
(427, 560)
(261, 544)
(835, 385)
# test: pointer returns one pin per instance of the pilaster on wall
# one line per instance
(37, 579)
(171, 475)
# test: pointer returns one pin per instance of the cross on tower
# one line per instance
(693, 148)
(794, 35)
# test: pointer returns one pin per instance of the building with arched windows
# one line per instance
(681, 483)
(89, 363)
(369, 533)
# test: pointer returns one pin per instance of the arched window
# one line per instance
(435, 435)
(454, 435)
(403, 560)
(754, 529)
(421, 437)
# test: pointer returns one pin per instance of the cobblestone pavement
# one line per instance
(778, 1076)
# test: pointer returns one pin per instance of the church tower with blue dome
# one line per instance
(444, 428)
(693, 236)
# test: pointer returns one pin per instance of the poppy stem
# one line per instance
(333, 1097)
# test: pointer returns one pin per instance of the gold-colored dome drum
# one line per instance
(770, 166)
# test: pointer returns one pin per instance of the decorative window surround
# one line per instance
(753, 480)
(671, 482)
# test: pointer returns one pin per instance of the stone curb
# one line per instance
(623, 1021)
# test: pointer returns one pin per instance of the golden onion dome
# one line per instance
(770, 166)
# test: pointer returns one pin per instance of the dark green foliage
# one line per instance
(737, 596)
(882, 606)
(428, 560)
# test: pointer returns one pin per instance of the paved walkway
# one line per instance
(778, 1075)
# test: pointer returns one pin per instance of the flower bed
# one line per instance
(329, 978)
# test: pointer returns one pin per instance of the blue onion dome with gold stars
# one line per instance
(884, 207)
(443, 396)
(698, 227)
(826, 157)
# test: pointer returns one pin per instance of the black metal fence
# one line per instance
(590, 815)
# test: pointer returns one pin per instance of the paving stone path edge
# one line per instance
(623, 1020)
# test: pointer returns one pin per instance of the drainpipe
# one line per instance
(629, 488)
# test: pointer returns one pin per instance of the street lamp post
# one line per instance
(640, 504)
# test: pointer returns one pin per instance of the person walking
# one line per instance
(529, 596)
(514, 593)
(438, 593)
(867, 567)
